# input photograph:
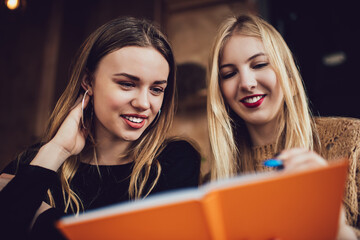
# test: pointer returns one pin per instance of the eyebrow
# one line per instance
(135, 78)
(249, 59)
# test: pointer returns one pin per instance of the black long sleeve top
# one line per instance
(22, 196)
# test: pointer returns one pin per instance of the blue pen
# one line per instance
(275, 163)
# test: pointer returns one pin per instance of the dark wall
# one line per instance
(315, 31)
(23, 39)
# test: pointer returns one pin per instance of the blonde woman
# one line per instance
(106, 139)
(257, 107)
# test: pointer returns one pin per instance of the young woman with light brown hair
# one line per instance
(106, 139)
(257, 107)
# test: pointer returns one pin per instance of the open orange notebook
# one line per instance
(299, 205)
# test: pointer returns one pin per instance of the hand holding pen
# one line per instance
(296, 159)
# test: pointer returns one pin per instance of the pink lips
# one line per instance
(253, 104)
(134, 124)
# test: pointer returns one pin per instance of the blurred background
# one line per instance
(38, 39)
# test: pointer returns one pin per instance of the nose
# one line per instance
(141, 100)
(247, 81)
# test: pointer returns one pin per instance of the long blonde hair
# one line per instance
(229, 138)
(116, 34)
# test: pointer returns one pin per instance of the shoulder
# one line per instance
(338, 135)
(183, 150)
(176, 145)
(341, 126)
(24, 158)
(337, 121)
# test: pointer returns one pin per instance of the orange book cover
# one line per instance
(297, 205)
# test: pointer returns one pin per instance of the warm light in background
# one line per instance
(12, 4)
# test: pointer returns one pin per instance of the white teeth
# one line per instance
(253, 99)
(134, 119)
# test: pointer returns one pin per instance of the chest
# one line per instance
(100, 187)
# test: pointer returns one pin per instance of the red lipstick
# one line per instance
(251, 104)
(133, 120)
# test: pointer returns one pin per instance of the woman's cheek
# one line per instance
(229, 90)
(115, 100)
(159, 102)
(272, 79)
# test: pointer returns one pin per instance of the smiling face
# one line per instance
(128, 91)
(248, 82)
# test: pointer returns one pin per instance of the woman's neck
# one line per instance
(110, 149)
(263, 134)
(110, 152)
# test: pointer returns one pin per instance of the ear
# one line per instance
(86, 84)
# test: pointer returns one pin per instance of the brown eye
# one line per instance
(157, 90)
(228, 75)
(260, 65)
(126, 85)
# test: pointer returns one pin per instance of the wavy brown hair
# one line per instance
(114, 35)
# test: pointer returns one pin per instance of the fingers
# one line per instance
(71, 128)
(81, 102)
(84, 101)
(301, 159)
(78, 108)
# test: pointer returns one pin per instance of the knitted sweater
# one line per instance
(339, 137)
